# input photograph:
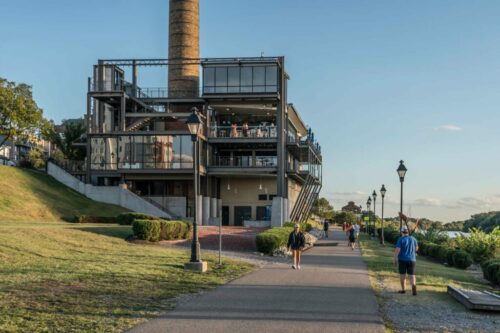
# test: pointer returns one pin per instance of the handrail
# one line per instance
(245, 161)
(254, 131)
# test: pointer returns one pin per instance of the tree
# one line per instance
(36, 158)
(322, 208)
(20, 117)
(73, 130)
(347, 217)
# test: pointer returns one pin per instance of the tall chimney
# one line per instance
(183, 43)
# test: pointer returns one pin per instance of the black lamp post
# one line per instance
(401, 173)
(374, 196)
(368, 204)
(194, 125)
(382, 193)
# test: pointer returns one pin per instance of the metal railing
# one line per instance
(243, 132)
(245, 161)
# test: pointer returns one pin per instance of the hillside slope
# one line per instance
(27, 195)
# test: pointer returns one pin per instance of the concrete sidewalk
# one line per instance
(331, 293)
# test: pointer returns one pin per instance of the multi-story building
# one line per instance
(259, 164)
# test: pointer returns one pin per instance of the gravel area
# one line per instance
(427, 313)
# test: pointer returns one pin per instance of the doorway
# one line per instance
(242, 213)
(225, 215)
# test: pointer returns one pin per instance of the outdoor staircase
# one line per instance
(305, 201)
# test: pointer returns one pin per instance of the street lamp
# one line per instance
(368, 204)
(374, 195)
(194, 125)
(401, 173)
(382, 193)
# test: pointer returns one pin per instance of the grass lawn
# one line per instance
(432, 299)
(58, 277)
(33, 196)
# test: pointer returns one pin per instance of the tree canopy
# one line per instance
(323, 208)
(20, 116)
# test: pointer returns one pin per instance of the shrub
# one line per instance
(480, 245)
(174, 230)
(491, 270)
(93, 219)
(272, 239)
(147, 229)
(461, 259)
(155, 230)
(128, 218)
(391, 235)
(443, 253)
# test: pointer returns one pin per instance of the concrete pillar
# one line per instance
(213, 207)
(205, 210)
(183, 43)
(277, 212)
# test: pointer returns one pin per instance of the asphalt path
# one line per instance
(331, 293)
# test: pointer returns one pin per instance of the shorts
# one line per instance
(406, 267)
(352, 239)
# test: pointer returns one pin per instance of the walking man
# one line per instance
(405, 256)
(326, 225)
(296, 242)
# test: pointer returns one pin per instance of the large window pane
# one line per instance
(164, 154)
(259, 74)
(111, 153)
(271, 76)
(233, 76)
(246, 76)
(186, 152)
(176, 152)
(209, 76)
(137, 152)
(149, 152)
(221, 76)
(97, 160)
(124, 152)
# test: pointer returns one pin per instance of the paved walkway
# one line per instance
(331, 293)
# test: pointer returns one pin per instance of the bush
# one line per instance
(175, 230)
(272, 239)
(93, 219)
(491, 270)
(391, 235)
(461, 259)
(147, 229)
(444, 255)
(155, 230)
(128, 218)
(480, 245)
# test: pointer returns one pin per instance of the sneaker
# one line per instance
(414, 290)
(402, 291)
(293, 266)
(298, 267)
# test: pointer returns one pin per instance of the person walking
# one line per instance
(326, 225)
(296, 242)
(352, 237)
(405, 256)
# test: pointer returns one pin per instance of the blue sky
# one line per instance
(378, 81)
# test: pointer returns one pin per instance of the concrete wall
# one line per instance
(174, 205)
(115, 195)
(245, 192)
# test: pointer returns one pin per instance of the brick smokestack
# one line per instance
(183, 43)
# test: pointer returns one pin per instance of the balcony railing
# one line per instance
(245, 161)
(242, 132)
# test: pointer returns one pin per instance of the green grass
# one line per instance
(67, 278)
(431, 275)
(64, 277)
(33, 196)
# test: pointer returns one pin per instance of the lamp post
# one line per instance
(401, 173)
(195, 264)
(382, 193)
(374, 195)
(368, 204)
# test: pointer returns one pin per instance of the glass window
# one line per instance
(209, 76)
(176, 152)
(221, 76)
(164, 151)
(124, 152)
(111, 153)
(137, 152)
(259, 75)
(233, 76)
(98, 161)
(271, 76)
(246, 77)
(149, 152)
(186, 152)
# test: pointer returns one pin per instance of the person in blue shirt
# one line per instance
(405, 256)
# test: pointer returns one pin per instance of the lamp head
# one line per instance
(401, 171)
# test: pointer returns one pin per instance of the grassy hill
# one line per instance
(67, 277)
(27, 195)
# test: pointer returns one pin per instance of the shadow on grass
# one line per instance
(112, 230)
